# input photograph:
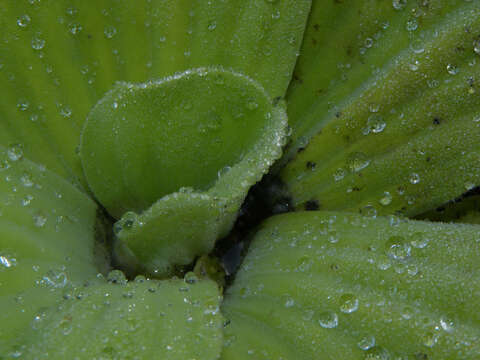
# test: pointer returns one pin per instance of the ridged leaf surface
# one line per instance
(343, 286)
(386, 97)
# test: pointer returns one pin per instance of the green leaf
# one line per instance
(389, 111)
(143, 319)
(58, 57)
(353, 287)
(197, 155)
(47, 231)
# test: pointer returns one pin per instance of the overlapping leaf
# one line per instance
(351, 287)
(386, 96)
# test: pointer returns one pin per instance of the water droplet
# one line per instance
(375, 124)
(26, 180)
(386, 199)
(328, 320)
(27, 200)
(419, 240)
(39, 220)
(399, 4)
(212, 26)
(37, 42)
(7, 261)
(476, 46)
(452, 69)
(117, 277)
(15, 152)
(398, 249)
(289, 303)
(348, 303)
(369, 211)
(414, 66)
(366, 343)
(75, 28)
(109, 31)
(368, 43)
(55, 278)
(65, 111)
(447, 324)
(417, 46)
(23, 20)
(125, 223)
(414, 178)
(412, 25)
(377, 353)
(339, 174)
(357, 161)
(190, 277)
(23, 105)
(429, 339)
(223, 171)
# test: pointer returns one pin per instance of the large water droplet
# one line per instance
(399, 4)
(7, 261)
(110, 31)
(398, 249)
(476, 46)
(452, 69)
(366, 343)
(15, 152)
(117, 277)
(328, 320)
(348, 303)
(376, 124)
(419, 240)
(414, 178)
(357, 161)
(23, 21)
(377, 353)
(386, 199)
(39, 220)
(37, 42)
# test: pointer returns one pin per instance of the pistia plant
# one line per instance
(258, 179)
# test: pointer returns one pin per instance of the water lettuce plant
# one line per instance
(134, 220)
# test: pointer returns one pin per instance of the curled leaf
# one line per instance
(184, 150)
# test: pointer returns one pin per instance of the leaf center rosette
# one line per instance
(173, 160)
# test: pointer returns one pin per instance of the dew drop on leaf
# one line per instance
(23, 21)
(348, 303)
(328, 320)
(398, 249)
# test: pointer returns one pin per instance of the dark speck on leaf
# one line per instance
(312, 205)
(311, 165)
(436, 121)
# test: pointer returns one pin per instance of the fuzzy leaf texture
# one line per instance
(383, 107)
(388, 107)
(353, 287)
